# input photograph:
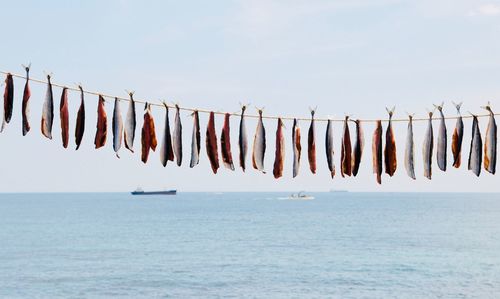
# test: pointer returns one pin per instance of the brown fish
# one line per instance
(358, 148)
(8, 100)
(64, 115)
(377, 151)
(280, 151)
(346, 151)
(148, 134)
(102, 124)
(211, 143)
(390, 147)
(80, 120)
(457, 139)
(311, 143)
(25, 105)
(225, 144)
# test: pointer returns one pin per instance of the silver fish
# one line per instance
(243, 141)
(195, 140)
(442, 141)
(48, 111)
(476, 148)
(329, 148)
(130, 123)
(410, 150)
(490, 144)
(117, 127)
(259, 145)
(166, 151)
(428, 147)
(177, 136)
(457, 139)
(296, 146)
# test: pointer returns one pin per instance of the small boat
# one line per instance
(298, 196)
(139, 191)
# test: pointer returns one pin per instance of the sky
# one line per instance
(351, 57)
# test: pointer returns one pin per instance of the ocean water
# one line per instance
(250, 245)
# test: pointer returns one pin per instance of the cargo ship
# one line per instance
(139, 191)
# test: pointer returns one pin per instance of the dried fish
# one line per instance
(280, 151)
(25, 105)
(64, 115)
(225, 143)
(329, 148)
(390, 147)
(490, 143)
(259, 145)
(377, 151)
(102, 124)
(476, 148)
(195, 140)
(457, 139)
(80, 120)
(166, 150)
(428, 148)
(211, 143)
(48, 111)
(8, 100)
(177, 136)
(297, 148)
(442, 141)
(117, 127)
(130, 123)
(410, 150)
(148, 134)
(346, 151)
(243, 141)
(311, 143)
(358, 148)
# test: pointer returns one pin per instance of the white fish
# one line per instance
(428, 148)
(130, 123)
(297, 148)
(177, 136)
(117, 127)
(490, 143)
(476, 148)
(442, 140)
(195, 140)
(259, 145)
(48, 111)
(410, 150)
(329, 148)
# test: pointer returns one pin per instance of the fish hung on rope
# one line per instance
(311, 143)
(130, 124)
(279, 157)
(297, 148)
(8, 100)
(457, 138)
(390, 158)
(25, 104)
(346, 151)
(177, 137)
(166, 150)
(211, 143)
(117, 127)
(80, 120)
(148, 134)
(225, 144)
(377, 151)
(48, 111)
(358, 148)
(242, 139)
(195, 140)
(64, 116)
(259, 145)
(102, 124)
(490, 143)
(329, 147)
(410, 149)
(427, 148)
(442, 141)
(476, 148)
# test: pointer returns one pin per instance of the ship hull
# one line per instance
(168, 192)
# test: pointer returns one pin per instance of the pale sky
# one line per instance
(351, 56)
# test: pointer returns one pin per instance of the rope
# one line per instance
(232, 114)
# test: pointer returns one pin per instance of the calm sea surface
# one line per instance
(250, 245)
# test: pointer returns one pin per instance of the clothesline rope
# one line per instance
(232, 114)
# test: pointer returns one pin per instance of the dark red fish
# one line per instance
(377, 151)
(390, 147)
(64, 114)
(280, 151)
(311, 144)
(8, 100)
(102, 124)
(211, 144)
(225, 143)
(80, 120)
(346, 151)
(148, 134)
(25, 105)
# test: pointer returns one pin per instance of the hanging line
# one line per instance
(234, 114)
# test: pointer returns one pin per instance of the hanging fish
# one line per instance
(428, 148)
(211, 143)
(297, 148)
(358, 148)
(130, 123)
(242, 141)
(195, 140)
(329, 147)
(311, 143)
(442, 141)
(117, 127)
(64, 115)
(457, 138)
(25, 105)
(346, 151)
(148, 134)
(490, 143)
(259, 145)
(410, 150)
(102, 124)
(166, 150)
(225, 144)
(476, 148)
(48, 111)
(390, 147)
(80, 120)
(8, 100)
(377, 151)
(177, 137)
(279, 157)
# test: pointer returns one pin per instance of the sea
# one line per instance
(250, 245)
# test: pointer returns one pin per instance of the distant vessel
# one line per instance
(338, 191)
(298, 196)
(139, 191)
